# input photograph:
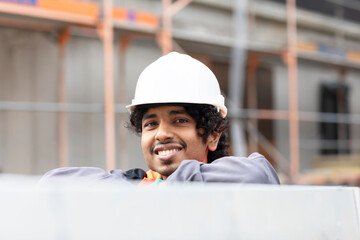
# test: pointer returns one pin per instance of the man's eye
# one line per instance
(149, 124)
(181, 120)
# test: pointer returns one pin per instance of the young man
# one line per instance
(180, 114)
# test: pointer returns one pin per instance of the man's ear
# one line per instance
(213, 140)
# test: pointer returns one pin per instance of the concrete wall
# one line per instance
(28, 73)
(310, 76)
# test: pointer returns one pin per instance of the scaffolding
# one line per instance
(103, 20)
(289, 56)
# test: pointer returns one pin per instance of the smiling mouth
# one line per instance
(167, 151)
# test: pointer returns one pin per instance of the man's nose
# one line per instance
(164, 132)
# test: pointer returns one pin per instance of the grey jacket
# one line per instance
(254, 169)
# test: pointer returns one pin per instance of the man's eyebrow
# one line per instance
(176, 112)
(147, 116)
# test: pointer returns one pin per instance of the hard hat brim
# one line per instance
(222, 109)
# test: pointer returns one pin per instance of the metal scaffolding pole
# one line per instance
(166, 36)
(252, 97)
(169, 9)
(291, 61)
(123, 44)
(237, 68)
(63, 127)
(107, 38)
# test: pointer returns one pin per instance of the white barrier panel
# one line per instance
(216, 211)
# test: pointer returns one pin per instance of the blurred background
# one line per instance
(290, 72)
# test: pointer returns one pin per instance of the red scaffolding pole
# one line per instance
(107, 38)
(291, 61)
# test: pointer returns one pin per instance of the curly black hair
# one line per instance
(207, 118)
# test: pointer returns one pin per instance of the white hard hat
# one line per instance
(178, 78)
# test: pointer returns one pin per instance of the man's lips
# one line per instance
(160, 149)
(167, 151)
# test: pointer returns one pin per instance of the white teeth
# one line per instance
(167, 152)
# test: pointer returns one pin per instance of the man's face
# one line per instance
(168, 137)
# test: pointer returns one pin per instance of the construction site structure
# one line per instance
(290, 71)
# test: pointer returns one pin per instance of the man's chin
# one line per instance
(166, 170)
